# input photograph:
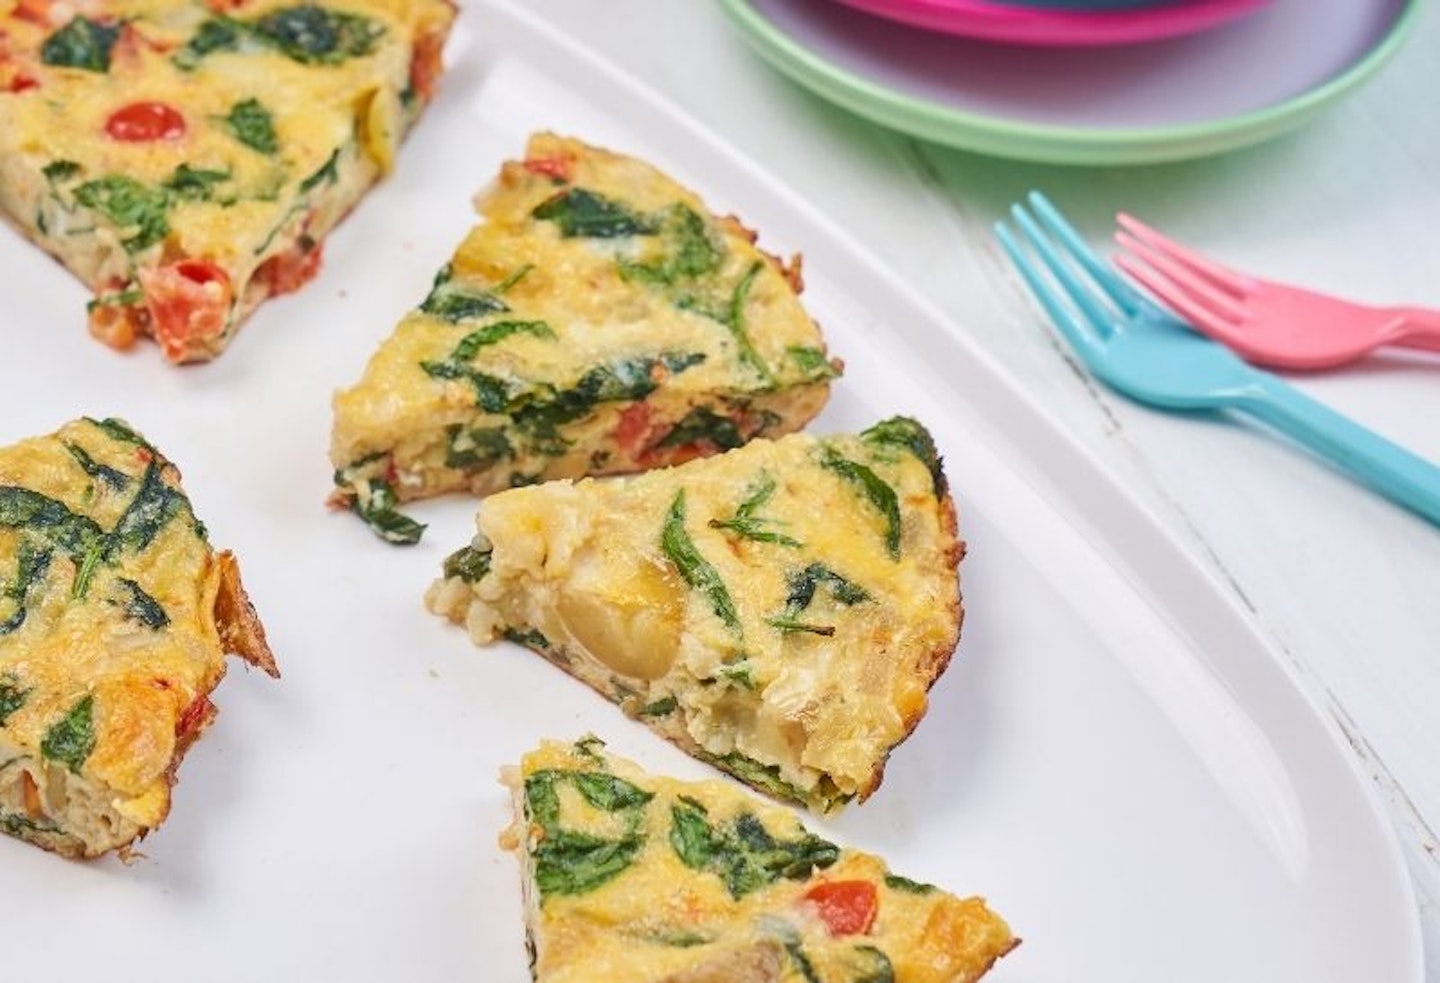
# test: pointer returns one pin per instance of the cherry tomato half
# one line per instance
(141, 122)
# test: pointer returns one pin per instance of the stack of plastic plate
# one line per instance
(1080, 81)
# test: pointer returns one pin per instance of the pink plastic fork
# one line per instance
(1265, 322)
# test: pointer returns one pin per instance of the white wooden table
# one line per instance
(1345, 584)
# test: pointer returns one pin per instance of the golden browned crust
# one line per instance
(235, 619)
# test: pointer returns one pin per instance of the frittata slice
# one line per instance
(599, 320)
(636, 877)
(115, 616)
(186, 160)
(780, 610)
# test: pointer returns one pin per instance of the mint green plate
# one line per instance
(1132, 104)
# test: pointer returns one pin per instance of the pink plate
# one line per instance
(1036, 25)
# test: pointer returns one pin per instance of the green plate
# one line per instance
(1135, 104)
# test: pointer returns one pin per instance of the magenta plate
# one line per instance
(1035, 25)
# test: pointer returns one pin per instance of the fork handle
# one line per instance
(1385, 466)
(1414, 327)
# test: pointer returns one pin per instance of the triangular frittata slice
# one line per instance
(186, 160)
(115, 617)
(637, 877)
(599, 320)
(780, 610)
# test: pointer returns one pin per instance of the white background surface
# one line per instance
(342, 822)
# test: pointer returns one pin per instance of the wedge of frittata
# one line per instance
(115, 617)
(636, 877)
(599, 320)
(186, 160)
(780, 610)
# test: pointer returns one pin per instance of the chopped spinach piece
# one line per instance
(743, 853)
(608, 793)
(195, 183)
(691, 835)
(907, 434)
(475, 449)
(376, 505)
(328, 173)
(529, 637)
(31, 565)
(802, 586)
(688, 251)
(135, 209)
(71, 739)
(785, 623)
(81, 539)
(692, 566)
(467, 563)
(748, 525)
(703, 423)
(119, 430)
(587, 746)
(140, 606)
(60, 170)
(251, 123)
(907, 885)
(738, 673)
(585, 214)
(82, 43)
(460, 302)
(12, 697)
(628, 379)
(812, 361)
(154, 505)
(492, 393)
(215, 34)
(659, 708)
(875, 966)
(731, 313)
(312, 34)
(876, 491)
(16, 823)
(764, 777)
(103, 473)
(735, 321)
(680, 940)
(802, 963)
(121, 298)
(569, 862)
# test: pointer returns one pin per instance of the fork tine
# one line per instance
(1182, 280)
(1179, 300)
(1075, 331)
(1218, 274)
(1062, 271)
(1126, 297)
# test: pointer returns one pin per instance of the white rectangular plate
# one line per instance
(1115, 759)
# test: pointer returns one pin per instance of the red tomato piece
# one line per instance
(556, 167)
(193, 720)
(633, 426)
(846, 907)
(142, 122)
(189, 302)
(425, 65)
(287, 272)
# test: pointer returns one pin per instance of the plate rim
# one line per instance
(1049, 143)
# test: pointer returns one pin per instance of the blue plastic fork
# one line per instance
(1142, 350)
